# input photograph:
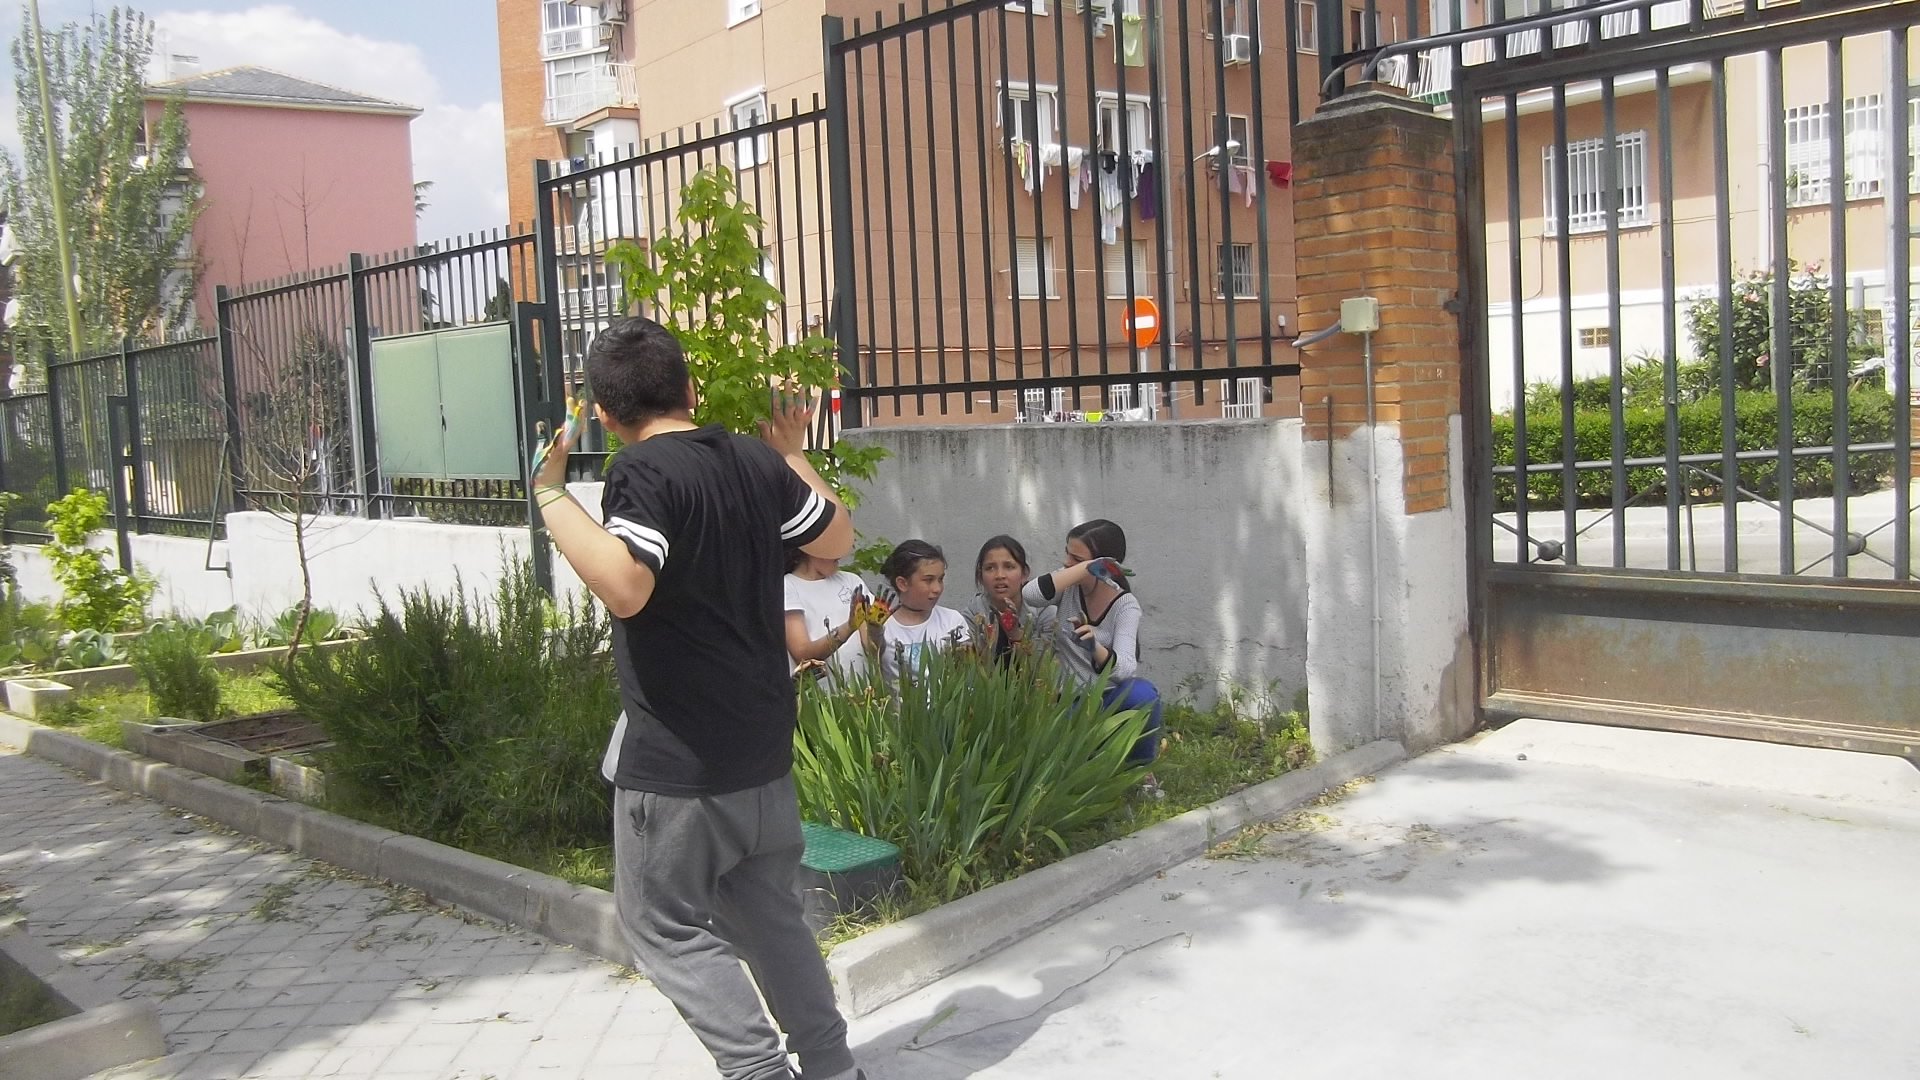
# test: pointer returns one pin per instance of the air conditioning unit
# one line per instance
(1239, 49)
(607, 31)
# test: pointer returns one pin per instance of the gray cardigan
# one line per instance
(1118, 629)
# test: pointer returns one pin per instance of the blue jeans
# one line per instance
(1137, 694)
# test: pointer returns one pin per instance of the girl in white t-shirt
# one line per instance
(917, 571)
(821, 602)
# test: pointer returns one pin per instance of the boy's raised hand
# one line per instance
(790, 417)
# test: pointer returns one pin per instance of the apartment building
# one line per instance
(985, 160)
(1688, 203)
(293, 174)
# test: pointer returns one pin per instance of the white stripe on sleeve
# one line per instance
(650, 540)
(808, 516)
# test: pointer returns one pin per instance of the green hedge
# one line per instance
(1756, 425)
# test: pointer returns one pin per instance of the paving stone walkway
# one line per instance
(264, 964)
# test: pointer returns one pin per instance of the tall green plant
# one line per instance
(123, 204)
(468, 723)
(180, 678)
(977, 770)
(94, 596)
(707, 281)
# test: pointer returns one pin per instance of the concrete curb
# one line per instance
(103, 1032)
(885, 965)
(559, 910)
(869, 971)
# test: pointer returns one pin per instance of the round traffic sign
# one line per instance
(1141, 323)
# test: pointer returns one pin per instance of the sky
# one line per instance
(440, 55)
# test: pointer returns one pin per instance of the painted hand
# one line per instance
(790, 417)
(1108, 571)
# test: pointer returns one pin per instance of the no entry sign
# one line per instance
(1141, 323)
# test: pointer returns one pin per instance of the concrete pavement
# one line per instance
(263, 964)
(1547, 901)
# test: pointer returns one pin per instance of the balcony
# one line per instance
(615, 86)
(1428, 75)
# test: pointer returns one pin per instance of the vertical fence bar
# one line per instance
(1610, 205)
(1780, 356)
(960, 224)
(57, 428)
(1562, 211)
(1839, 370)
(230, 395)
(1670, 351)
(1900, 271)
(1723, 238)
(1516, 324)
(137, 484)
(365, 452)
(117, 407)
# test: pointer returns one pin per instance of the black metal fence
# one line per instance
(1679, 369)
(274, 407)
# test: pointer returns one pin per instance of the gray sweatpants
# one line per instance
(703, 883)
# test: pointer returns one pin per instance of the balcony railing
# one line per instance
(617, 87)
(1428, 75)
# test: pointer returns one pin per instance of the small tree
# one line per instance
(93, 595)
(125, 208)
(707, 284)
(295, 450)
(1810, 318)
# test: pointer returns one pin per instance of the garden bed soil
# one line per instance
(265, 734)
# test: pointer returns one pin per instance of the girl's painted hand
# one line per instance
(1084, 631)
(1108, 571)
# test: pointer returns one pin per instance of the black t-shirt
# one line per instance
(703, 667)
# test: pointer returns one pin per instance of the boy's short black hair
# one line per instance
(637, 370)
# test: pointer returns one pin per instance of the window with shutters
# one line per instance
(746, 112)
(1028, 114)
(1586, 184)
(1810, 151)
(1033, 269)
(1137, 131)
(1117, 265)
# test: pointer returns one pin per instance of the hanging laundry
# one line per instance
(1243, 181)
(1142, 161)
(1132, 45)
(1281, 173)
(1078, 175)
(1113, 212)
(1146, 195)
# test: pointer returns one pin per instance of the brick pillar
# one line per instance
(1375, 214)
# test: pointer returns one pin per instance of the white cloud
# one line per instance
(459, 147)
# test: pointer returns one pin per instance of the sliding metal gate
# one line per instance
(1687, 264)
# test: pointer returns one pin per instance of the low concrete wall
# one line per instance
(1212, 509)
(257, 569)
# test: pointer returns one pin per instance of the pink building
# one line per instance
(294, 174)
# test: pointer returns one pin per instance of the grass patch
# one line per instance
(96, 714)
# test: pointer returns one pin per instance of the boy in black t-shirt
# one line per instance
(707, 843)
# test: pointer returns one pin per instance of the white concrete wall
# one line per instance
(178, 565)
(257, 569)
(1212, 509)
(351, 558)
(1425, 652)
